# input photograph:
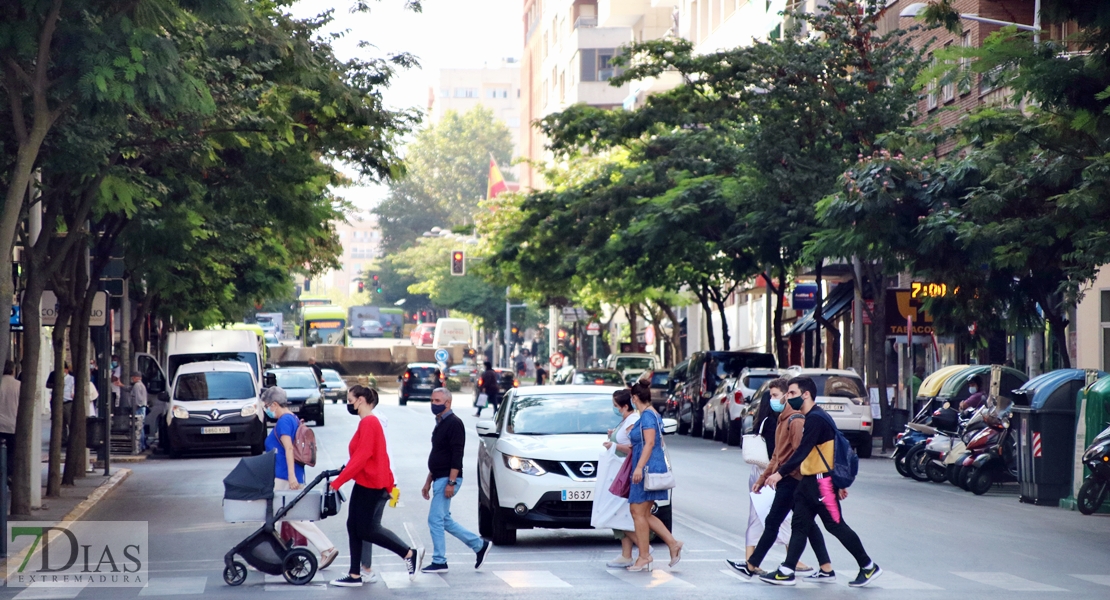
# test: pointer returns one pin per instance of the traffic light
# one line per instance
(562, 335)
(458, 262)
(361, 286)
(308, 285)
(377, 285)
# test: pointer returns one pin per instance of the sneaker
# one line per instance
(866, 576)
(438, 568)
(414, 562)
(778, 578)
(821, 577)
(369, 576)
(619, 563)
(740, 567)
(482, 553)
(347, 581)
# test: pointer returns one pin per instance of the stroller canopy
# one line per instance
(251, 479)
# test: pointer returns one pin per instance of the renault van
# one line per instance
(212, 405)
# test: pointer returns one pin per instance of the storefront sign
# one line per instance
(805, 296)
(902, 309)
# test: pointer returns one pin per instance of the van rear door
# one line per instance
(154, 378)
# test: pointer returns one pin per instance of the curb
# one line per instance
(80, 510)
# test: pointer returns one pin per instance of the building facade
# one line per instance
(496, 88)
(361, 240)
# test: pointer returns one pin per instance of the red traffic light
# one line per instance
(375, 278)
(361, 286)
(458, 262)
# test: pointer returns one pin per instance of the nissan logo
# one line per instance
(215, 415)
(587, 469)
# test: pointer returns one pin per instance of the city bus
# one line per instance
(393, 321)
(324, 325)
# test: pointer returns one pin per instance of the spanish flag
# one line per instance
(496, 181)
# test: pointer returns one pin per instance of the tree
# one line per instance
(428, 263)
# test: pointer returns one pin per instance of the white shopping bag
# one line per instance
(609, 511)
(762, 501)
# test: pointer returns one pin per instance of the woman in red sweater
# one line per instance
(369, 468)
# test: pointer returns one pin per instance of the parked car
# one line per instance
(506, 382)
(538, 461)
(704, 373)
(631, 365)
(842, 394)
(271, 339)
(660, 386)
(731, 404)
(304, 392)
(212, 405)
(462, 371)
(371, 329)
(423, 334)
(419, 381)
(335, 389)
(675, 388)
(597, 377)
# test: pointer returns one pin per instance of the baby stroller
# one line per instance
(249, 496)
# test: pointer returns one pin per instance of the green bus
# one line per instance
(324, 325)
(393, 322)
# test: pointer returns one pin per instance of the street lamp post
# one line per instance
(509, 306)
(917, 8)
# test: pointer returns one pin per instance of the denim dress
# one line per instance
(657, 463)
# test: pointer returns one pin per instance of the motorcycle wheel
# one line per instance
(1090, 497)
(950, 473)
(915, 462)
(900, 466)
(965, 478)
(981, 481)
(935, 472)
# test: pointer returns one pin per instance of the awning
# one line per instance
(839, 301)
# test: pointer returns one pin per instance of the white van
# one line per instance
(212, 405)
(631, 365)
(451, 332)
(241, 345)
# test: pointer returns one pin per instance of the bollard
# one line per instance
(3, 498)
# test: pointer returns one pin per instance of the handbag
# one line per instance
(657, 482)
(623, 482)
(754, 448)
(482, 402)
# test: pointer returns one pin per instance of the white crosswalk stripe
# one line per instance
(893, 581)
(174, 586)
(1008, 582)
(652, 580)
(41, 592)
(1099, 579)
(531, 579)
(399, 580)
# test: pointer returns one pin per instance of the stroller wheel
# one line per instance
(235, 573)
(299, 566)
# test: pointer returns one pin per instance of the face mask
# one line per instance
(777, 405)
(973, 389)
(115, 364)
(617, 411)
(351, 408)
(795, 403)
(269, 413)
(438, 409)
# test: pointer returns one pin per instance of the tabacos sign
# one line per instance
(903, 305)
(79, 554)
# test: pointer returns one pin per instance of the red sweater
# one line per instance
(369, 464)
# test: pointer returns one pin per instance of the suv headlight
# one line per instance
(523, 465)
(313, 399)
(249, 410)
(179, 412)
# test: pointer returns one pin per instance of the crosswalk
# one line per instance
(540, 580)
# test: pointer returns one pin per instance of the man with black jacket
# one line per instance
(445, 467)
(815, 495)
(489, 385)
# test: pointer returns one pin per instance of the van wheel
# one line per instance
(697, 424)
(866, 446)
(258, 448)
(735, 432)
(320, 421)
(172, 450)
(683, 428)
(485, 520)
(707, 433)
(720, 433)
(500, 533)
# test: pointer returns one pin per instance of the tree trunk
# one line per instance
(632, 327)
(28, 458)
(719, 300)
(83, 294)
(57, 404)
(673, 339)
(877, 364)
(703, 296)
(780, 343)
(138, 333)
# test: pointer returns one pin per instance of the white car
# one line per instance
(731, 404)
(841, 394)
(538, 459)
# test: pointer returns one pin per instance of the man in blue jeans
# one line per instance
(445, 465)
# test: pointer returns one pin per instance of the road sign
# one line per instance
(593, 329)
(575, 314)
(442, 355)
(557, 360)
(442, 367)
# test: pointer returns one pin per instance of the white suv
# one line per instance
(841, 394)
(538, 459)
(732, 404)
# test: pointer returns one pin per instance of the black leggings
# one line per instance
(817, 497)
(364, 524)
(780, 507)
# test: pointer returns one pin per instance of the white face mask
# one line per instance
(972, 389)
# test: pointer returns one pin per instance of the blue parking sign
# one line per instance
(441, 355)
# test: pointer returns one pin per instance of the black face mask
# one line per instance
(351, 408)
(796, 402)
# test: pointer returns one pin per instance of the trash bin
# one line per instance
(1044, 419)
(955, 388)
(94, 432)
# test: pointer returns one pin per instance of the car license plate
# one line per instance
(838, 407)
(424, 386)
(294, 408)
(208, 430)
(577, 495)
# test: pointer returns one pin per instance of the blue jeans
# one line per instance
(439, 520)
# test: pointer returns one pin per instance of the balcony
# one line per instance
(585, 22)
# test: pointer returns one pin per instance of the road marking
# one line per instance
(400, 581)
(735, 575)
(42, 592)
(531, 579)
(285, 587)
(725, 537)
(652, 580)
(1099, 579)
(412, 535)
(894, 581)
(174, 586)
(1008, 582)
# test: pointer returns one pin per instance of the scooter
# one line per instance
(998, 464)
(912, 440)
(1095, 487)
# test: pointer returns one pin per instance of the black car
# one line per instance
(704, 372)
(306, 396)
(418, 381)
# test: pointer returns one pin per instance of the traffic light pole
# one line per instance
(508, 327)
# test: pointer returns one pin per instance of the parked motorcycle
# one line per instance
(1095, 487)
(912, 441)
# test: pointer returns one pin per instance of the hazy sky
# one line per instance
(447, 34)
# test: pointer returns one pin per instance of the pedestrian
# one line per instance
(785, 435)
(611, 511)
(815, 495)
(316, 369)
(68, 384)
(541, 375)
(368, 574)
(978, 394)
(138, 395)
(648, 457)
(445, 471)
(288, 473)
(9, 405)
(488, 385)
(370, 469)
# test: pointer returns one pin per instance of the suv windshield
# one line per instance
(332, 376)
(175, 362)
(215, 385)
(752, 382)
(563, 414)
(839, 386)
(660, 380)
(635, 363)
(296, 380)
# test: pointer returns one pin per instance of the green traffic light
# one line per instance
(379, 290)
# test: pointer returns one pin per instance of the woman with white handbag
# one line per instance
(651, 479)
(609, 510)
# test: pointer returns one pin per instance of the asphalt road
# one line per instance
(933, 541)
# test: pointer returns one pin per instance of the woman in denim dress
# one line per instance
(647, 453)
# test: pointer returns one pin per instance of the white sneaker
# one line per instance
(369, 576)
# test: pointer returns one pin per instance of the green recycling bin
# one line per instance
(1045, 419)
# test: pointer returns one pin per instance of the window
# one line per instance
(214, 385)
(466, 92)
(444, 92)
(948, 91)
(497, 93)
(1104, 310)
(595, 64)
(931, 99)
(965, 67)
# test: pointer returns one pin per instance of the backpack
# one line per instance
(304, 446)
(845, 461)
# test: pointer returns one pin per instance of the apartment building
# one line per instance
(495, 87)
(361, 240)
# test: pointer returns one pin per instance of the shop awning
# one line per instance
(839, 301)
